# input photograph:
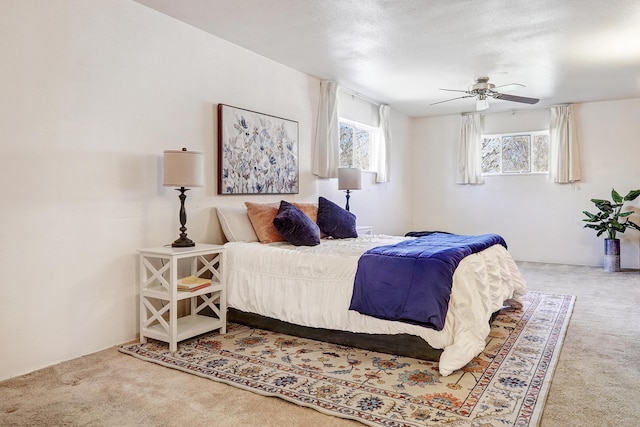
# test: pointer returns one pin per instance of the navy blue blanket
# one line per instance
(411, 281)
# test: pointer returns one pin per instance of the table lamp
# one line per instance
(349, 179)
(183, 169)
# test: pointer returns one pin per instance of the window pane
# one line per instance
(346, 145)
(490, 155)
(361, 149)
(521, 153)
(355, 145)
(516, 154)
(540, 153)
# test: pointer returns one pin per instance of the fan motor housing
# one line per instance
(482, 85)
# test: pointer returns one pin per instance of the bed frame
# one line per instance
(400, 344)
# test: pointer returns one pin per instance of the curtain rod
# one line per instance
(524, 110)
(359, 95)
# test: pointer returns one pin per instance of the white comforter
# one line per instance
(312, 286)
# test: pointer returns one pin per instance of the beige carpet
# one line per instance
(597, 380)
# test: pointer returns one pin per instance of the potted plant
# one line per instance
(611, 220)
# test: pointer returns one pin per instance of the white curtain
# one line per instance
(326, 146)
(382, 150)
(469, 156)
(565, 150)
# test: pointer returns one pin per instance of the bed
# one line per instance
(307, 291)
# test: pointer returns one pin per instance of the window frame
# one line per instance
(532, 135)
(354, 124)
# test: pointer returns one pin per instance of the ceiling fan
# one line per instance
(482, 90)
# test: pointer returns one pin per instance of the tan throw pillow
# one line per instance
(261, 216)
(309, 209)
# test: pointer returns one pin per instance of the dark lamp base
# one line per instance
(183, 242)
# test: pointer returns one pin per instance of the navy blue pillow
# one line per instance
(335, 221)
(295, 226)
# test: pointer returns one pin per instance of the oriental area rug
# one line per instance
(506, 385)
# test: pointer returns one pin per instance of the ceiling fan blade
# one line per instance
(455, 90)
(509, 86)
(515, 98)
(452, 99)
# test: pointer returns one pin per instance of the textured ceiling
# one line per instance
(401, 52)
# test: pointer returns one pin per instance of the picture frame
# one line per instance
(257, 153)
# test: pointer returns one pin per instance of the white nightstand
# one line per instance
(364, 230)
(159, 295)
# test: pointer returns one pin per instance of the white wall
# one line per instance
(92, 93)
(540, 221)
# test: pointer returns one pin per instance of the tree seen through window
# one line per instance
(520, 153)
(355, 145)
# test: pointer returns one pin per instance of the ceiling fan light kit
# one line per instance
(482, 103)
(482, 90)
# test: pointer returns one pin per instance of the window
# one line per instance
(515, 153)
(355, 145)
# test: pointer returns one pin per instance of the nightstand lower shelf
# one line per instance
(188, 327)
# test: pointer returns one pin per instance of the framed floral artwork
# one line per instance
(257, 153)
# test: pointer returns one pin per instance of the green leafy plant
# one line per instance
(608, 220)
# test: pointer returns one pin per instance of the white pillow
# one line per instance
(236, 224)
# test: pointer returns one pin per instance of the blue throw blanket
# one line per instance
(411, 281)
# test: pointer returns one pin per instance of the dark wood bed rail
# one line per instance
(401, 344)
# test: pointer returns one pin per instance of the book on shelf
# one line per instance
(185, 289)
(192, 283)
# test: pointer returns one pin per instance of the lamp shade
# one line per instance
(183, 168)
(349, 179)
